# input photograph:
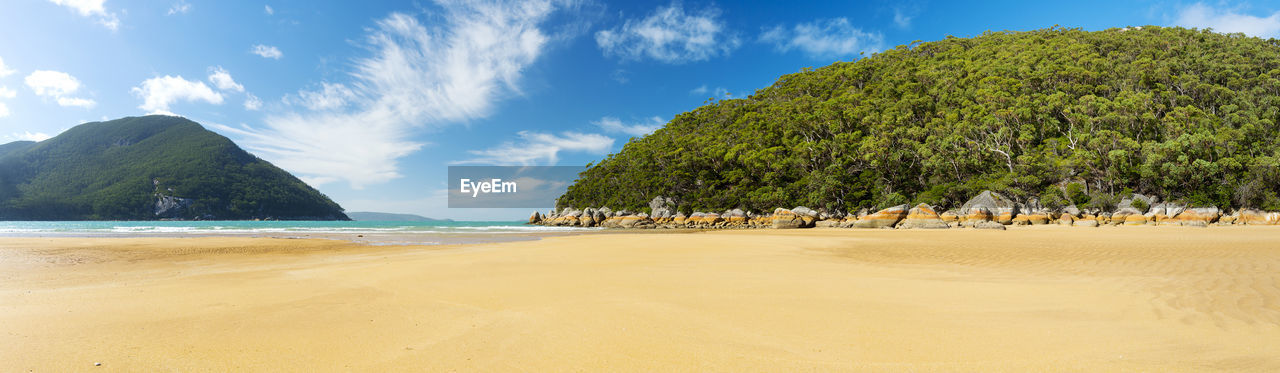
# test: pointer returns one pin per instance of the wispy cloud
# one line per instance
(418, 78)
(159, 92)
(669, 35)
(903, 15)
(5, 70)
(94, 9)
(536, 148)
(827, 38)
(267, 51)
(717, 92)
(181, 7)
(28, 136)
(223, 80)
(331, 96)
(644, 127)
(59, 86)
(1222, 20)
(268, 10)
(251, 102)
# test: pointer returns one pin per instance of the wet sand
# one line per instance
(1028, 299)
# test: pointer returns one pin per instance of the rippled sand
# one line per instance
(1029, 299)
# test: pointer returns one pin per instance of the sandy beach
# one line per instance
(1028, 299)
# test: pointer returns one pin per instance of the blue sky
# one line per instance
(371, 101)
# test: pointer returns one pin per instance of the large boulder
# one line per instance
(1003, 208)
(1198, 216)
(635, 221)
(1253, 217)
(787, 219)
(535, 218)
(886, 218)
(923, 217)
(975, 215)
(1066, 219)
(662, 207)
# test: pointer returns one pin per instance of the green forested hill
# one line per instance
(1062, 115)
(120, 169)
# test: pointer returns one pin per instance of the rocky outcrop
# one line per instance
(662, 208)
(886, 218)
(787, 219)
(535, 218)
(170, 206)
(1002, 208)
(1198, 216)
(922, 217)
(975, 215)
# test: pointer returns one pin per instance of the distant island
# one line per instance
(387, 216)
(149, 168)
(1054, 118)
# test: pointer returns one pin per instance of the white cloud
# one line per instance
(5, 92)
(4, 110)
(614, 125)
(59, 86)
(267, 51)
(1202, 16)
(92, 8)
(824, 38)
(27, 136)
(418, 78)
(251, 102)
(267, 9)
(222, 79)
(76, 102)
(669, 35)
(330, 96)
(181, 7)
(540, 148)
(159, 92)
(5, 70)
(901, 18)
(52, 83)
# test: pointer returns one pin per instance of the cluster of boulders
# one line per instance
(987, 210)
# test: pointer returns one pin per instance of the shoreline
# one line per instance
(1029, 298)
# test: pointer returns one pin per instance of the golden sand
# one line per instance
(1028, 299)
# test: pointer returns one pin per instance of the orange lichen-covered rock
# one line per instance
(886, 218)
(923, 217)
(950, 216)
(1198, 217)
(976, 215)
(1135, 219)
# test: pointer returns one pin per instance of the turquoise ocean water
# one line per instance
(374, 232)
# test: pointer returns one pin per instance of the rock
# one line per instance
(886, 218)
(1086, 221)
(950, 216)
(662, 207)
(635, 221)
(1072, 210)
(1066, 219)
(1003, 208)
(170, 206)
(922, 217)
(786, 219)
(989, 225)
(1127, 203)
(975, 215)
(829, 223)
(1228, 219)
(1252, 217)
(1198, 216)
(535, 218)
(679, 219)
(1135, 219)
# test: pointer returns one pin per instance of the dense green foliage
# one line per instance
(118, 169)
(1062, 115)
